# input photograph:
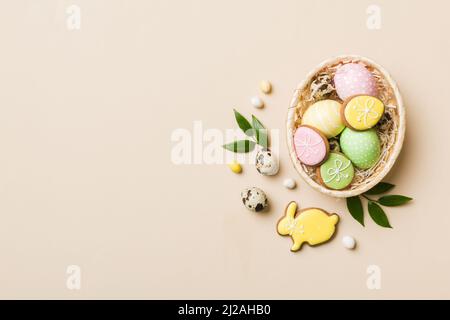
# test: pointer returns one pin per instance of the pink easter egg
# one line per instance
(354, 79)
(310, 146)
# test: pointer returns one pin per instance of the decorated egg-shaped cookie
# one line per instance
(325, 116)
(354, 79)
(337, 172)
(254, 199)
(362, 112)
(361, 147)
(311, 146)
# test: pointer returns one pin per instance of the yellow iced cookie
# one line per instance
(325, 115)
(312, 225)
(363, 112)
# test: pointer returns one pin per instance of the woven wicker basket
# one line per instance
(391, 133)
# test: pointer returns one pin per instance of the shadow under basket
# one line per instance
(391, 129)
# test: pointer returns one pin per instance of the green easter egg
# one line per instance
(337, 172)
(361, 147)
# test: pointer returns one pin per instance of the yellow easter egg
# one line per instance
(325, 115)
(363, 112)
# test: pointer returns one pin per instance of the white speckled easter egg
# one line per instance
(266, 163)
(325, 115)
(254, 199)
(361, 147)
(322, 86)
(354, 79)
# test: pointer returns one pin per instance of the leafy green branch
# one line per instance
(376, 212)
(255, 131)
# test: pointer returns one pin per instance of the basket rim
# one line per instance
(290, 122)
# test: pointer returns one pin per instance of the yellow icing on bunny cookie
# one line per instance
(312, 225)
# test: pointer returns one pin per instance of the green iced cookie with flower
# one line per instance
(337, 172)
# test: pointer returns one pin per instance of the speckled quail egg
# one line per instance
(322, 86)
(266, 163)
(254, 199)
(334, 145)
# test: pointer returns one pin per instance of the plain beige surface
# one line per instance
(86, 176)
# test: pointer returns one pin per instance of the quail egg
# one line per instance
(254, 199)
(334, 145)
(266, 163)
(322, 86)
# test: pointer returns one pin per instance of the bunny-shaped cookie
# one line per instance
(312, 225)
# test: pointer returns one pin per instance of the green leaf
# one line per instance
(393, 200)
(382, 187)
(240, 146)
(354, 206)
(377, 214)
(243, 124)
(261, 132)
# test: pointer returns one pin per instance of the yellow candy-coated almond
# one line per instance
(265, 87)
(235, 167)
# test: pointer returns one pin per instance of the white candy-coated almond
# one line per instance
(289, 183)
(349, 242)
(257, 102)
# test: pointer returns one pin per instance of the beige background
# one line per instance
(86, 176)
